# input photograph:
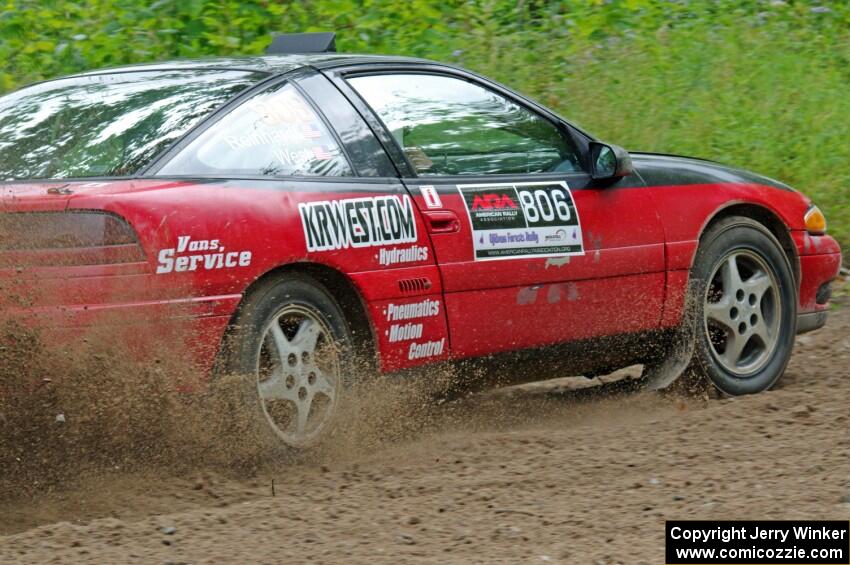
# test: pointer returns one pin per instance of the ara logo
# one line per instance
(358, 222)
(490, 201)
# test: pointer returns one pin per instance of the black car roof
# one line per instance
(274, 64)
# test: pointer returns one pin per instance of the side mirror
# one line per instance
(609, 161)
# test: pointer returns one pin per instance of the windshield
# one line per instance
(106, 125)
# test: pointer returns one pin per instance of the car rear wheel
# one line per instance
(293, 342)
(743, 297)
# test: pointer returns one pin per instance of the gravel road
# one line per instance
(536, 474)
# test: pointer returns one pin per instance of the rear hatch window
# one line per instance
(107, 125)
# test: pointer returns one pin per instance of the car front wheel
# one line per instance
(743, 307)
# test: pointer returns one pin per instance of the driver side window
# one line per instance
(449, 126)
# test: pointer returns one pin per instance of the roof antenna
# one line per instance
(292, 43)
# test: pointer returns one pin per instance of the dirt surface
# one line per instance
(535, 474)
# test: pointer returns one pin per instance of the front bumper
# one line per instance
(820, 262)
(811, 321)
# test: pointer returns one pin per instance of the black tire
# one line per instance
(766, 328)
(248, 350)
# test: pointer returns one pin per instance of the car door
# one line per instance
(530, 249)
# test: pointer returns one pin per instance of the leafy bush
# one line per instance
(760, 84)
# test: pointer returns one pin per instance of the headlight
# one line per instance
(815, 221)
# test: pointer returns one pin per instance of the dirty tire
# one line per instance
(292, 342)
(743, 307)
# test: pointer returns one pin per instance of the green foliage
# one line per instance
(760, 84)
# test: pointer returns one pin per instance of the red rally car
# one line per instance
(284, 211)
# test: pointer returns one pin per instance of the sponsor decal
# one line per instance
(311, 131)
(358, 222)
(285, 107)
(426, 349)
(558, 236)
(321, 153)
(284, 145)
(282, 134)
(493, 201)
(404, 332)
(512, 220)
(257, 138)
(199, 255)
(411, 254)
(423, 309)
(294, 158)
(284, 125)
(432, 198)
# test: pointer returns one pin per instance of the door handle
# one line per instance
(441, 221)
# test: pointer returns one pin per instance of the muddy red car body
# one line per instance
(434, 255)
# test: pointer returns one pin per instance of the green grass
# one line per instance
(774, 99)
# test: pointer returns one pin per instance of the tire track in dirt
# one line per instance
(532, 476)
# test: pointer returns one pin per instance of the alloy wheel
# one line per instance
(742, 313)
(298, 375)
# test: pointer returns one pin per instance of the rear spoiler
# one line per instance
(290, 43)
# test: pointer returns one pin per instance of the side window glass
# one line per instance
(361, 145)
(275, 133)
(448, 126)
